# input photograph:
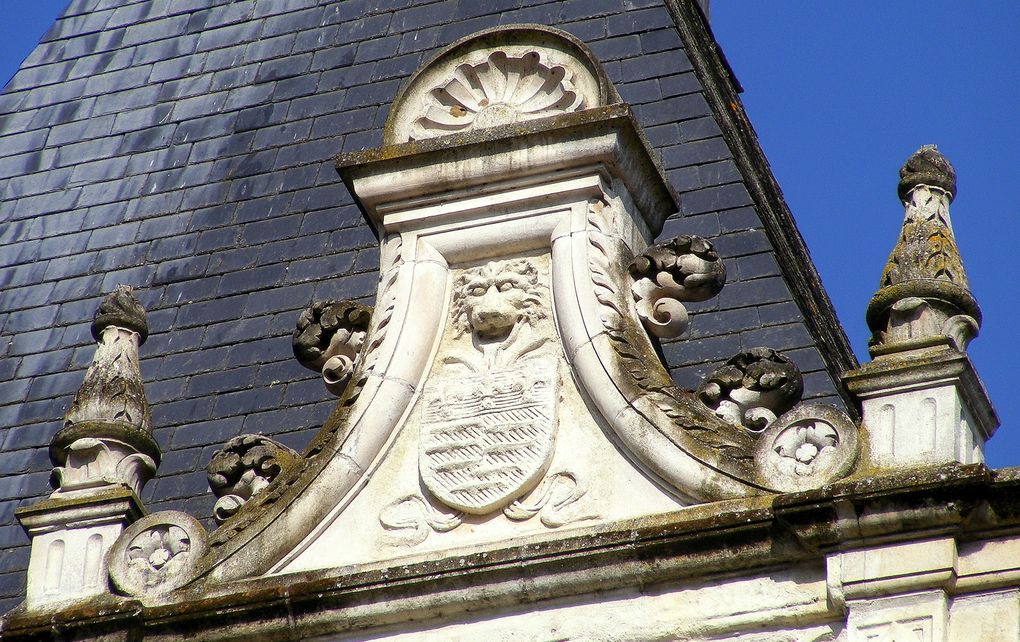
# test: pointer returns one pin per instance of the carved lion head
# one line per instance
(489, 300)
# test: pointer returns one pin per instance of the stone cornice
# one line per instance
(970, 503)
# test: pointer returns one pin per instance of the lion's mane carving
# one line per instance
(491, 299)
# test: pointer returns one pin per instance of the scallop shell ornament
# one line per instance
(497, 91)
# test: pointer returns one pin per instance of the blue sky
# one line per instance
(840, 94)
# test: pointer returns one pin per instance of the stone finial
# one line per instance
(107, 433)
(924, 299)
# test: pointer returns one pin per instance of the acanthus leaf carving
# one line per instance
(666, 275)
(328, 338)
(753, 388)
(243, 468)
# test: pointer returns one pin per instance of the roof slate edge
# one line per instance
(721, 91)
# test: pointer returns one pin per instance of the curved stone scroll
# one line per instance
(753, 388)
(328, 337)
(244, 467)
(157, 554)
(807, 447)
(683, 269)
(668, 430)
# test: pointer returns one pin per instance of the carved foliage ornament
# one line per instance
(686, 268)
(328, 338)
(244, 467)
(753, 388)
(807, 447)
(500, 90)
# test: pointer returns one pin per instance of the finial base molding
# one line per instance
(71, 536)
(928, 409)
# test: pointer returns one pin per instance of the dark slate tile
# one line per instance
(715, 198)
(756, 292)
(780, 337)
(756, 265)
(695, 153)
(695, 351)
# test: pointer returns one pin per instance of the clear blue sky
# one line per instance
(840, 94)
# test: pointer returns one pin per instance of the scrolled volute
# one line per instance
(328, 338)
(753, 388)
(684, 269)
(244, 467)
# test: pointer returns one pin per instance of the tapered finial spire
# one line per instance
(924, 299)
(107, 433)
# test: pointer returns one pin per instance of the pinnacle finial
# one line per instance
(120, 308)
(924, 299)
(927, 166)
(107, 433)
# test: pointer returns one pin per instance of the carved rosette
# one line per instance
(157, 554)
(807, 447)
(328, 338)
(924, 298)
(245, 466)
(107, 433)
(666, 275)
(502, 89)
(753, 388)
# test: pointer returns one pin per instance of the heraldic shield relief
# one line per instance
(489, 419)
(487, 439)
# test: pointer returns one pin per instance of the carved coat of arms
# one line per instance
(489, 419)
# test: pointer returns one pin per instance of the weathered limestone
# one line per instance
(243, 468)
(103, 456)
(921, 398)
(328, 338)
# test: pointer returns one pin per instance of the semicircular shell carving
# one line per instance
(807, 447)
(505, 75)
(498, 91)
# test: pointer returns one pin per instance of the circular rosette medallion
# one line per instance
(807, 447)
(157, 554)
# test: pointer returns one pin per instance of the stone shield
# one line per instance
(486, 439)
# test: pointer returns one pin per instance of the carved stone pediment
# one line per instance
(508, 381)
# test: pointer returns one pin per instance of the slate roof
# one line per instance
(185, 147)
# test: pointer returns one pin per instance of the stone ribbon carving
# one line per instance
(328, 338)
(157, 554)
(500, 90)
(107, 433)
(753, 388)
(244, 467)
(924, 298)
(684, 269)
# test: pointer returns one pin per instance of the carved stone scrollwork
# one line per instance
(244, 467)
(157, 554)
(666, 275)
(807, 447)
(753, 388)
(328, 338)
